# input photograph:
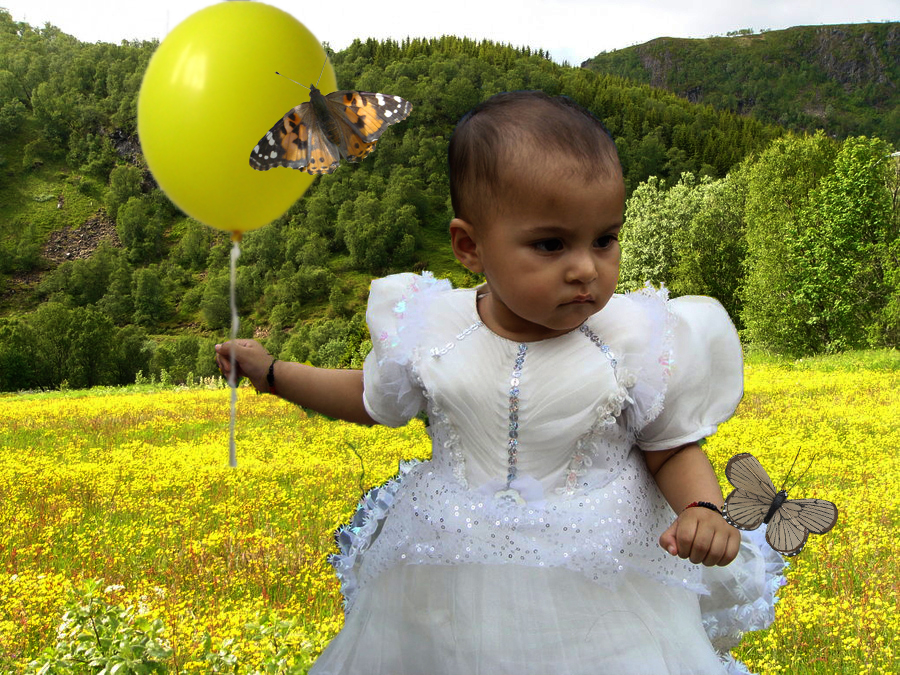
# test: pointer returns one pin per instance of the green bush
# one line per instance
(96, 637)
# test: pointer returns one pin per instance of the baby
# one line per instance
(565, 422)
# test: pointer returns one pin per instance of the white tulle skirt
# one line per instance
(519, 620)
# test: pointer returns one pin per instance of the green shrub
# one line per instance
(96, 637)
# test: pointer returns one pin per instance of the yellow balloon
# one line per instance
(210, 94)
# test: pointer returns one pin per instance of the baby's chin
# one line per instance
(578, 314)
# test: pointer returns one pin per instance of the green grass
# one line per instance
(862, 359)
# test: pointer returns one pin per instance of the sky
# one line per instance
(571, 30)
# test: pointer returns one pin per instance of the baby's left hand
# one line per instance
(702, 535)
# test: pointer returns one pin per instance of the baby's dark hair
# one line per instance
(529, 130)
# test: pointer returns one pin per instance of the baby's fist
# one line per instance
(703, 536)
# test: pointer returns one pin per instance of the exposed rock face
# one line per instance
(66, 244)
(79, 243)
(659, 65)
(853, 60)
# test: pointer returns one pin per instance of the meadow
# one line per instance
(132, 486)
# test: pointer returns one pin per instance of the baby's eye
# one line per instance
(606, 241)
(548, 245)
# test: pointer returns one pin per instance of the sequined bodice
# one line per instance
(514, 413)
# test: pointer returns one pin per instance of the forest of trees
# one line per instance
(843, 79)
(800, 243)
(797, 235)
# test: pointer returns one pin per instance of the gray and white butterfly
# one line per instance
(754, 502)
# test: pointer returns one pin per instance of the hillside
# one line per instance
(844, 79)
(104, 281)
(70, 157)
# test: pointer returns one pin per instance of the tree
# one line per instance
(19, 358)
(192, 249)
(131, 353)
(148, 297)
(378, 238)
(50, 328)
(655, 220)
(205, 365)
(140, 230)
(710, 256)
(85, 282)
(124, 183)
(12, 117)
(215, 304)
(783, 306)
(116, 301)
(854, 241)
(92, 347)
(178, 357)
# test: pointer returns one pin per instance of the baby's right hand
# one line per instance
(251, 361)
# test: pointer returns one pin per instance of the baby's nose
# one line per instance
(582, 267)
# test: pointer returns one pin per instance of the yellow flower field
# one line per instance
(134, 488)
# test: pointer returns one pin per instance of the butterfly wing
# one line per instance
(300, 141)
(324, 155)
(297, 141)
(287, 143)
(353, 147)
(795, 519)
(362, 117)
(749, 502)
(785, 533)
(816, 515)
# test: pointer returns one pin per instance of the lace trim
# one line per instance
(666, 359)
(578, 468)
(354, 538)
(452, 443)
(409, 318)
(602, 564)
(724, 627)
(606, 414)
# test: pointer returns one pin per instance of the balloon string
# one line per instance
(235, 324)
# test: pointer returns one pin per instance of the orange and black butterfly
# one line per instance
(754, 502)
(313, 136)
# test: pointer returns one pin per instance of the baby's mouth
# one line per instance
(581, 299)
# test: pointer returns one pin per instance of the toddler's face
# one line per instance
(550, 256)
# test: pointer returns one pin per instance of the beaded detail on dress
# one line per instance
(512, 442)
(437, 352)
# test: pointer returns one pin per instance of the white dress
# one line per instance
(442, 574)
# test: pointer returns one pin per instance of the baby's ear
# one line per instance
(464, 240)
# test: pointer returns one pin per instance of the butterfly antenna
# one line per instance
(323, 70)
(792, 468)
(804, 472)
(294, 81)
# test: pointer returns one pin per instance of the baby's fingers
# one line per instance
(678, 539)
(702, 547)
(725, 541)
(668, 539)
(223, 360)
(732, 546)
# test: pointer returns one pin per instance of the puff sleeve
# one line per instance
(706, 375)
(396, 316)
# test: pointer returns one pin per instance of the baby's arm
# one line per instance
(684, 475)
(337, 393)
